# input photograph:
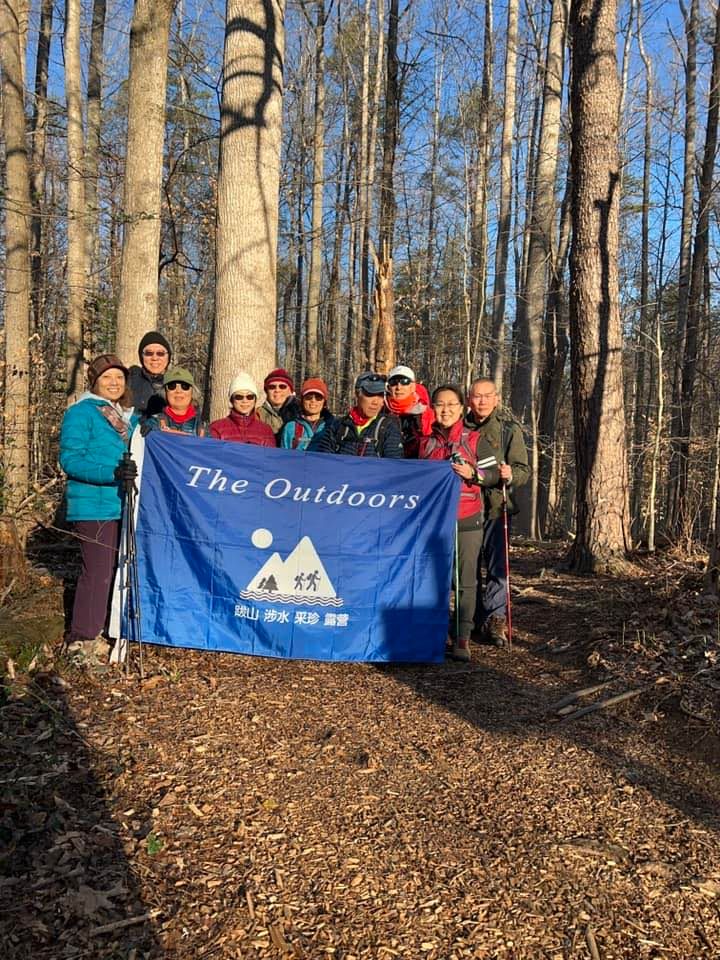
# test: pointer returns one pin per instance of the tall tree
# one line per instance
(696, 295)
(92, 165)
(497, 334)
(76, 213)
(147, 85)
(531, 304)
(13, 15)
(248, 187)
(38, 127)
(595, 330)
(318, 185)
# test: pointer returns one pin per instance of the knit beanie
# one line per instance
(278, 376)
(314, 385)
(153, 337)
(106, 361)
(244, 383)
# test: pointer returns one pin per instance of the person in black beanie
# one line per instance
(146, 381)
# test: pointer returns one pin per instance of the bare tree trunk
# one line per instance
(147, 85)
(497, 337)
(697, 277)
(38, 128)
(248, 187)
(92, 166)
(17, 256)
(76, 223)
(312, 363)
(689, 166)
(531, 305)
(383, 352)
(595, 329)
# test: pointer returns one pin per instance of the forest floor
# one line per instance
(231, 807)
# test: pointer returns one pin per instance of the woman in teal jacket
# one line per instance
(94, 435)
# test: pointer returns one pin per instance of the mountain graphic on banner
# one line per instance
(301, 578)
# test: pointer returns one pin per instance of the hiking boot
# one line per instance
(461, 650)
(496, 631)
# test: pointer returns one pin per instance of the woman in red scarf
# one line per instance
(179, 415)
(410, 402)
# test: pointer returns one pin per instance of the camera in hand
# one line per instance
(456, 458)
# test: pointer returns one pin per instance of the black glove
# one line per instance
(126, 471)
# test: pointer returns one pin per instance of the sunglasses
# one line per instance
(155, 353)
(177, 385)
(278, 386)
(243, 396)
(313, 396)
(403, 381)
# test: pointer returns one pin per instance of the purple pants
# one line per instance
(98, 543)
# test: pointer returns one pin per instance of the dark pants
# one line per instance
(491, 597)
(469, 548)
(98, 543)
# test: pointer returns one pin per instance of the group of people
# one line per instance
(391, 416)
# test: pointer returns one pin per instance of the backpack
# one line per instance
(379, 429)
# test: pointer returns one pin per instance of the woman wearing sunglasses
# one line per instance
(242, 424)
(410, 402)
(179, 415)
(304, 432)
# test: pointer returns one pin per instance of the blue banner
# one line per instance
(287, 554)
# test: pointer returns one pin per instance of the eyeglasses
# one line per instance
(313, 396)
(403, 381)
(446, 406)
(278, 386)
(177, 385)
(155, 353)
(482, 396)
(243, 396)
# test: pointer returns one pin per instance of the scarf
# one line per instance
(359, 419)
(115, 419)
(181, 417)
(400, 407)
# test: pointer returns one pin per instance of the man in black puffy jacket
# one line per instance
(146, 381)
(368, 430)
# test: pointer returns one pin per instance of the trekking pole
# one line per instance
(130, 580)
(457, 585)
(506, 533)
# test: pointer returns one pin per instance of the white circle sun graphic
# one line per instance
(261, 538)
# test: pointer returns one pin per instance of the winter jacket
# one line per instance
(380, 437)
(415, 423)
(147, 391)
(194, 426)
(276, 419)
(243, 429)
(506, 440)
(90, 450)
(469, 445)
(300, 434)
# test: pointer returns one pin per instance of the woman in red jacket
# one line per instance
(242, 423)
(474, 462)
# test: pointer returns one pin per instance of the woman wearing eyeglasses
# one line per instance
(474, 462)
(146, 381)
(305, 431)
(179, 415)
(409, 401)
(242, 424)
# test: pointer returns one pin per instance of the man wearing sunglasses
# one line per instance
(409, 401)
(281, 405)
(179, 415)
(146, 381)
(368, 430)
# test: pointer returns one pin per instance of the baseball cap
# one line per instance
(178, 373)
(402, 371)
(371, 383)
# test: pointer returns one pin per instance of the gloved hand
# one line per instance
(126, 471)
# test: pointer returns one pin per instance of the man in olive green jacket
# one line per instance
(504, 435)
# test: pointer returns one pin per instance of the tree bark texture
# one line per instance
(38, 127)
(595, 330)
(312, 362)
(92, 163)
(76, 219)
(17, 255)
(248, 189)
(147, 85)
